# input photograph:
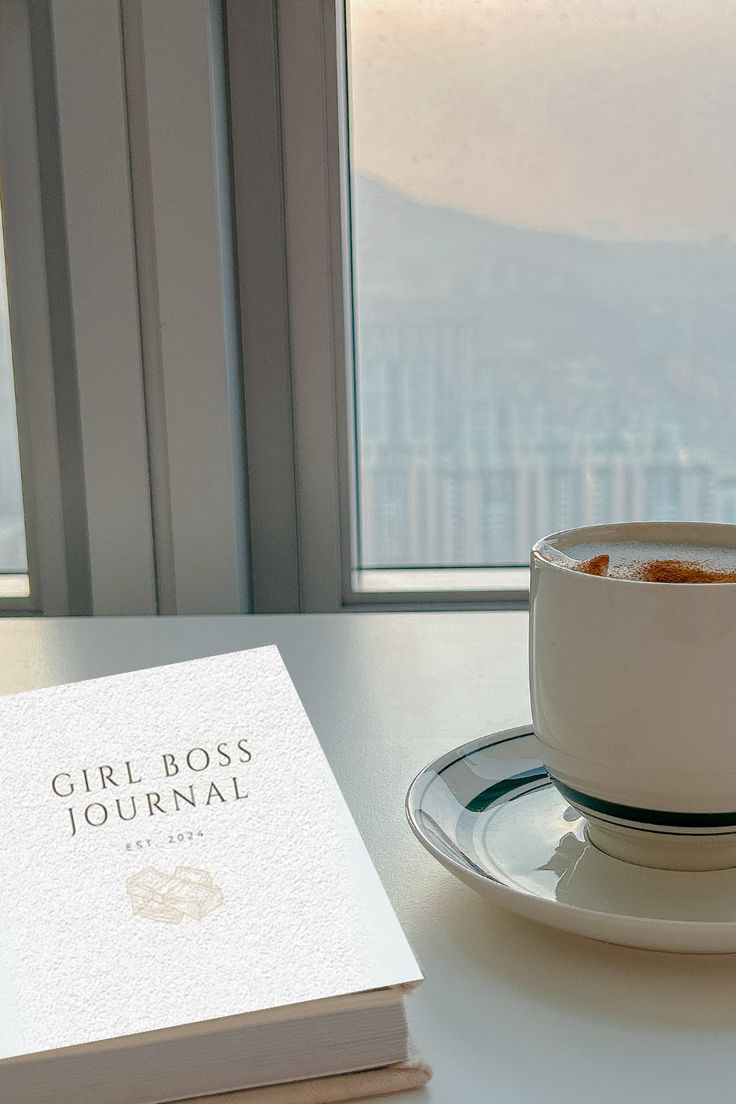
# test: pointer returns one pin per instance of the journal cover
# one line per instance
(176, 849)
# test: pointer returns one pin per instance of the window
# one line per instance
(115, 188)
(481, 273)
(544, 274)
(13, 558)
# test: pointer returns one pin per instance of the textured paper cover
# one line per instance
(276, 902)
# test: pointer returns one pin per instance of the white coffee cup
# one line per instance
(633, 689)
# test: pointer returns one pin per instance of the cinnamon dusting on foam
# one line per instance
(598, 565)
(676, 571)
(657, 571)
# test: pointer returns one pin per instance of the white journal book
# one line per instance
(186, 906)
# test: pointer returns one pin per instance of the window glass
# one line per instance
(543, 220)
(13, 560)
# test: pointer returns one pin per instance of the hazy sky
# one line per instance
(605, 117)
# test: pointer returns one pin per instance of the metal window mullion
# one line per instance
(255, 117)
(308, 59)
(284, 113)
(97, 202)
(180, 167)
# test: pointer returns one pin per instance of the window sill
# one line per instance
(447, 585)
(14, 586)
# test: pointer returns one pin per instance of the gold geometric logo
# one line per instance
(189, 892)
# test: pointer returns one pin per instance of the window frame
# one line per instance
(31, 339)
(299, 48)
(115, 414)
(122, 276)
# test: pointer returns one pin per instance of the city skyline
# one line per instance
(513, 382)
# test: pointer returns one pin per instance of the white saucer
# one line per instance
(489, 813)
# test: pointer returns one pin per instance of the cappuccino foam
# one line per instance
(627, 557)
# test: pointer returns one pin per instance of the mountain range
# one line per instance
(568, 295)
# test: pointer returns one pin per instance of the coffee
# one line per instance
(650, 562)
(632, 689)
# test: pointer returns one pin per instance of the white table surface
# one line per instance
(509, 1011)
